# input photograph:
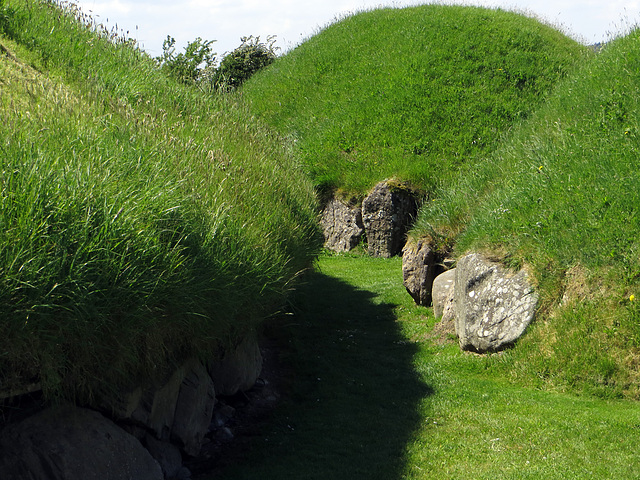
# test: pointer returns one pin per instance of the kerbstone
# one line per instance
(493, 307)
(419, 268)
(387, 214)
(342, 225)
(70, 443)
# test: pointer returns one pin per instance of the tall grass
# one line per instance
(141, 221)
(562, 197)
(413, 93)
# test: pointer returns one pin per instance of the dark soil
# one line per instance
(239, 420)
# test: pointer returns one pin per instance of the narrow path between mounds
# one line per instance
(351, 405)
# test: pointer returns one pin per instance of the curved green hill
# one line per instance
(141, 222)
(563, 197)
(412, 93)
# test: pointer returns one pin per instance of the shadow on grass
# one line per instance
(352, 405)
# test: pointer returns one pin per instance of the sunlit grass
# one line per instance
(561, 196)
(414, 93)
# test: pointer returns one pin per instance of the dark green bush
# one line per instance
(239, 65)
(3, 16)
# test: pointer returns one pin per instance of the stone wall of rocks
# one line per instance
(140, 434)
(384, 218)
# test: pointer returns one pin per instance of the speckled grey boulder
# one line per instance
(493, 306)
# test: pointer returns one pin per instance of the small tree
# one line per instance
(239, 65)
(188, 67)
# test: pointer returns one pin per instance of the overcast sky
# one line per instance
(292, 21)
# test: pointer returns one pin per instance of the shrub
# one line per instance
(187, 67)
(4, 16)
(239, 65)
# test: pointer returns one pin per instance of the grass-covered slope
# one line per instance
(563, 196)
(410, 93)
(140, 221)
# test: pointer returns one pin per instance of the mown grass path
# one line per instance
(374, 397)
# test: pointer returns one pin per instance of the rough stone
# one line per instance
(158, 406)
(342, 225)
(70, 443)
(179, 410)
(443, 295)
(222, 414)
(419, 268)
(166, 454)
(239, 369)
(493, 306)
(194, 408)
(387, 213)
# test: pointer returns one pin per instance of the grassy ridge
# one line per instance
(141, 222)
(412, 93)
(562, 197)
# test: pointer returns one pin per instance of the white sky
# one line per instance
(292, 21)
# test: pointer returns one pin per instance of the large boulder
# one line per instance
(387, 214)
(342, 225)
(179, 410)
(493, 306)
(238, 369)
(419, 268)
(70, 443)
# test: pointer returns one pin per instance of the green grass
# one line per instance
(412, 93)
(375, 396)
(561, 196)
(141, 222)
(525, 143)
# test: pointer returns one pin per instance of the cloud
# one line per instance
(226, 21)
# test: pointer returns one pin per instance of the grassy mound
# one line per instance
(562, 196)
(410, 93)
(141, 222)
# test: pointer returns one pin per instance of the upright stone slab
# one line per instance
(387, 213)
(238, 369)
(342, 226)
(418, 270)
(443, 291)
(493, 306)
(70, 443)
(194, 408)
(179, 410)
